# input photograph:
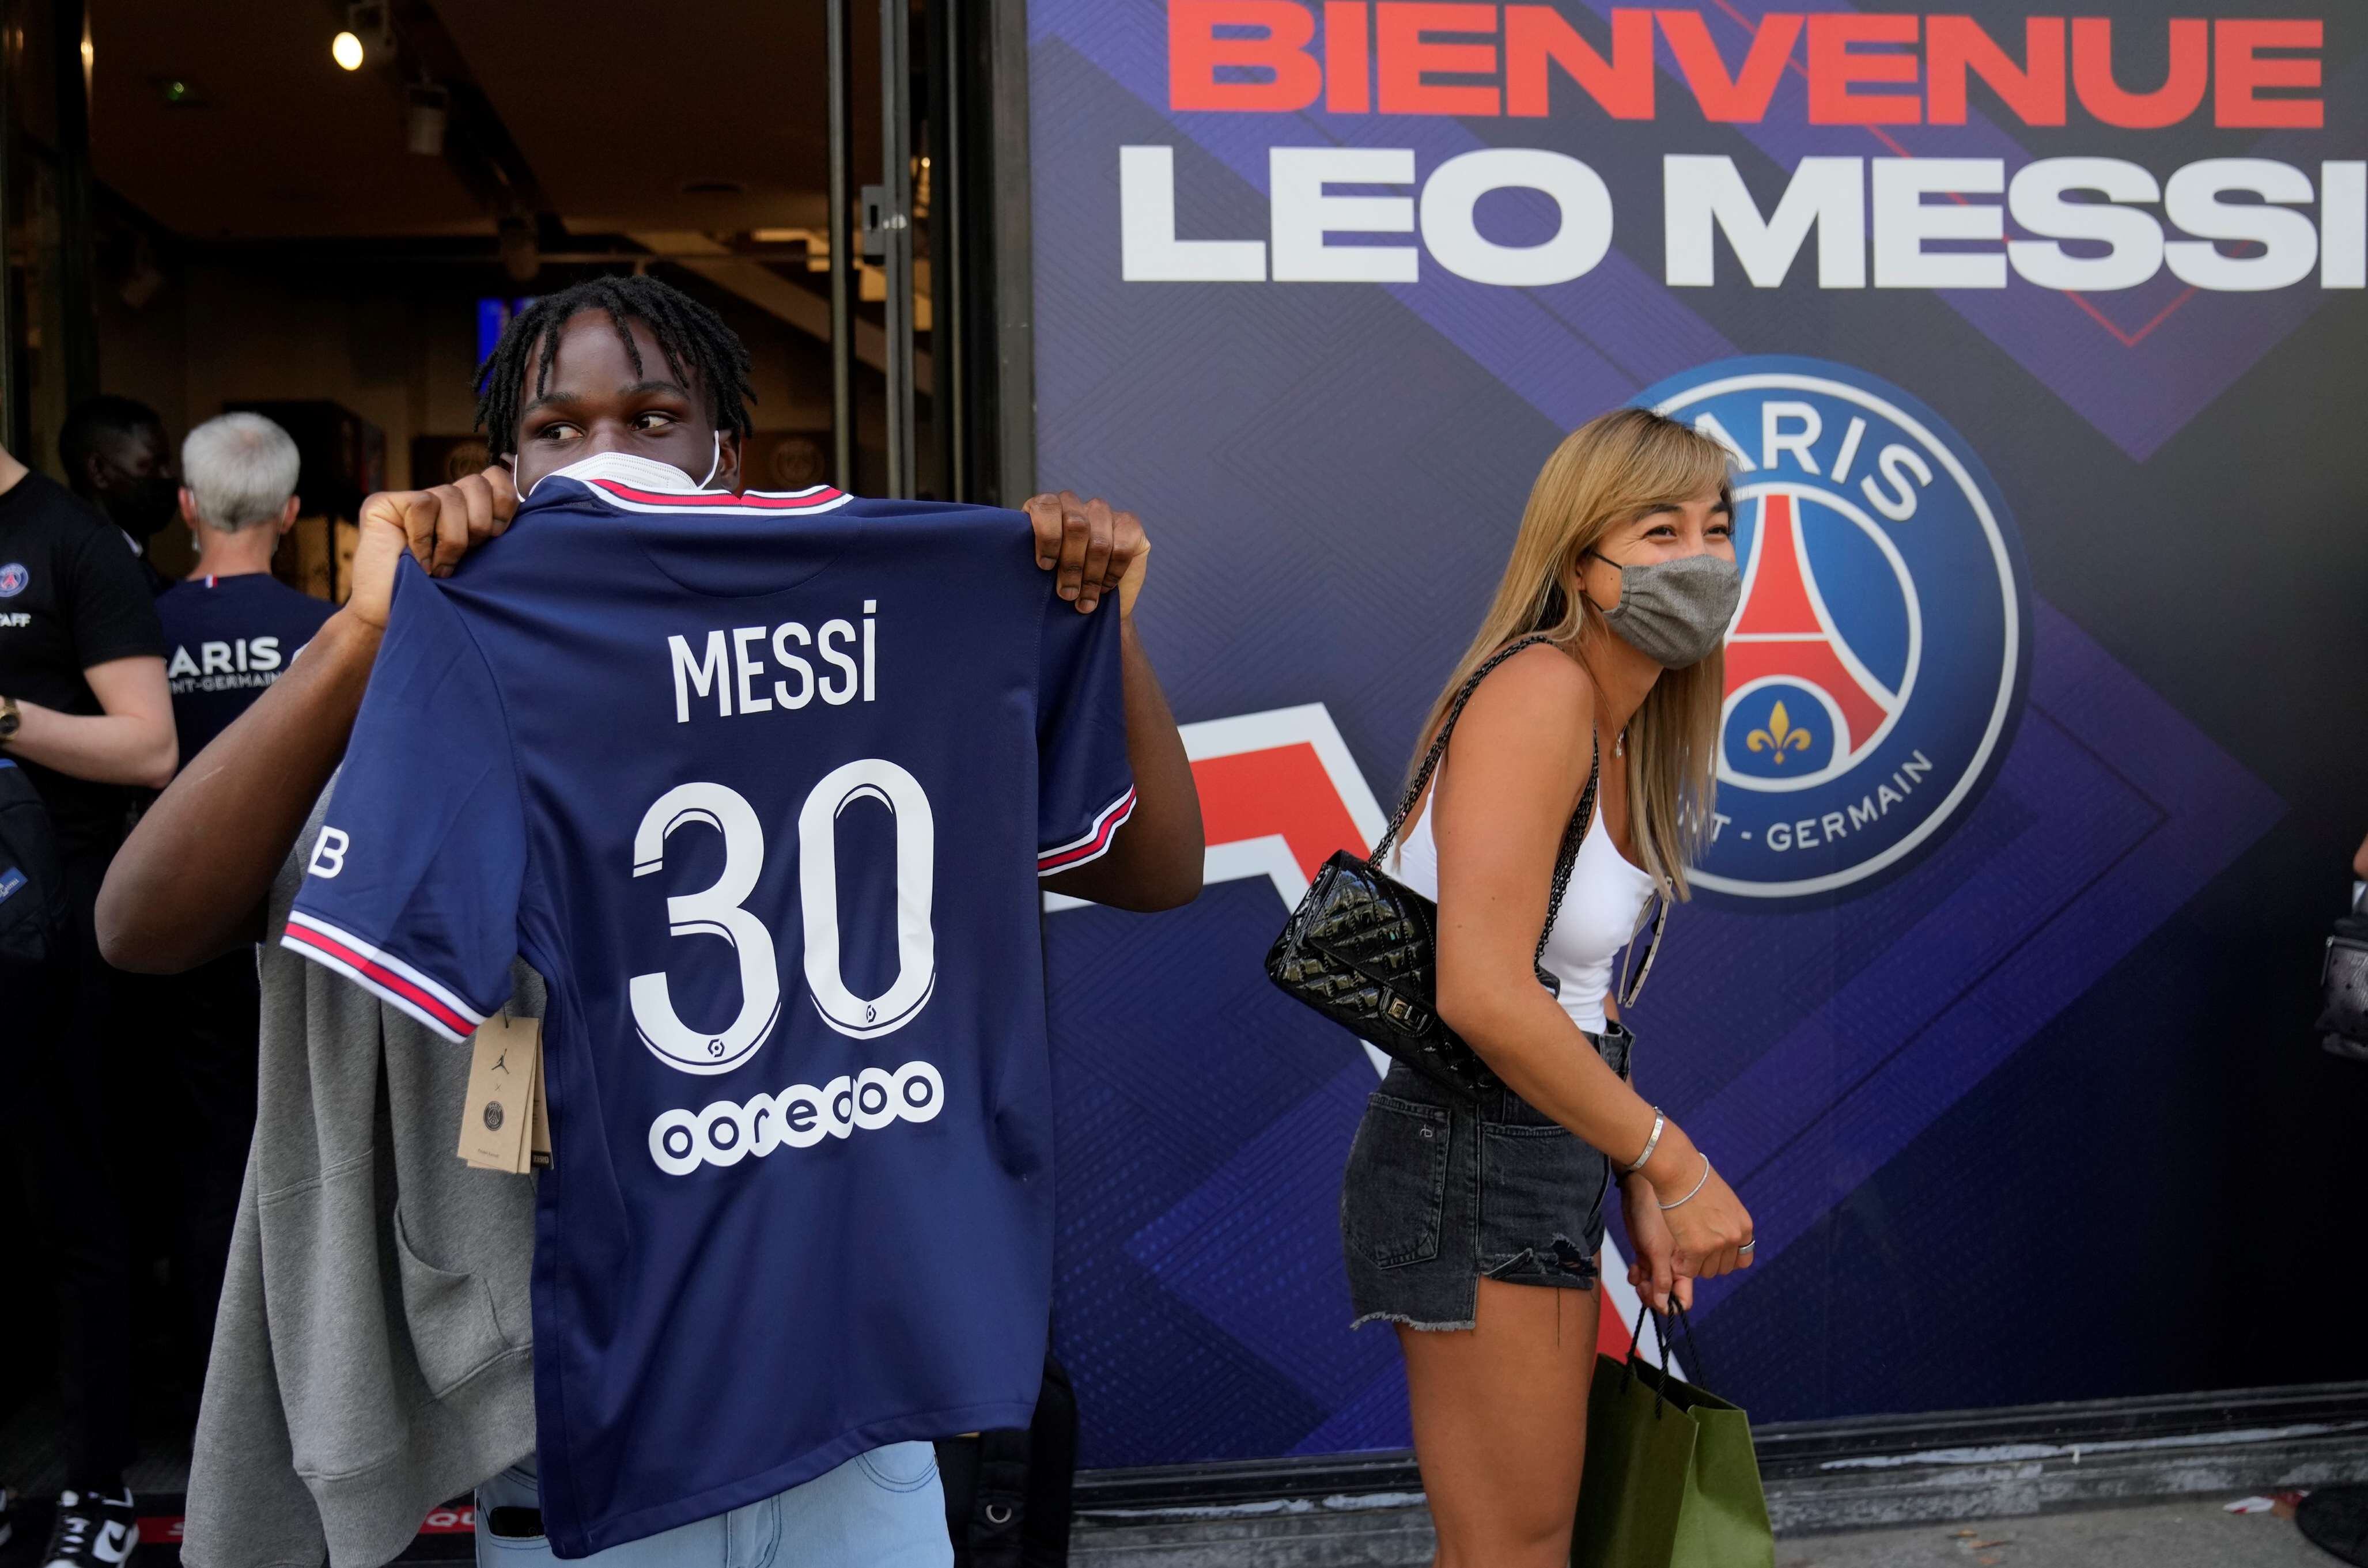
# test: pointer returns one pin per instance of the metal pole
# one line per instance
(842, 250)
(9, 388)
(77, 303)
(949, 255)
(1014, 452)
(896, 222)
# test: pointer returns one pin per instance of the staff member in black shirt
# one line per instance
(84, 710)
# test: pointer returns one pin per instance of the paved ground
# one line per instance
(31, 1465)
(2184, 1534)
(2196, 1534)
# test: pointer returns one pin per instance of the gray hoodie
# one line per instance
(372, 1355)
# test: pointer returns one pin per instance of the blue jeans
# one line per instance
(883, 1509)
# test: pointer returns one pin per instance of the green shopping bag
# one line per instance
(1670, 1480)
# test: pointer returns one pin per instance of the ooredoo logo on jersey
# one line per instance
(1876, 664)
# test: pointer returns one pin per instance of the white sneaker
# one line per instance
(92, 1532)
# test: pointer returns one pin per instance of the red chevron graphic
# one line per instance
(1281, 789)
(1779, 631)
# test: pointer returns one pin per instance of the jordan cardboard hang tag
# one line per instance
(496, 1123)
(539, 1143)
(497, 1119)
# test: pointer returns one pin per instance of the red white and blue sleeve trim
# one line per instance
(1093, 844)
(392, 981)
(719, 503)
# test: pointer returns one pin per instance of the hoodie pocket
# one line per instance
(454, 1330)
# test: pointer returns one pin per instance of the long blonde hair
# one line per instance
(1608, 471)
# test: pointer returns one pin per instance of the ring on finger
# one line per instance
(1749, 1246)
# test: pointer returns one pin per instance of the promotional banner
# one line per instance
(2034, 337)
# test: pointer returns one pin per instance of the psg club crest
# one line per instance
(1876, 664)
(12, 578)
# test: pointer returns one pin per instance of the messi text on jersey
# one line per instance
(731, 666)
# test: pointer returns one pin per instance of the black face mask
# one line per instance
(142, 507)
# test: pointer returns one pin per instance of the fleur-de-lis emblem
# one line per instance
(1779, 737)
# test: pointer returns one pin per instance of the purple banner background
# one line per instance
(1332, 473)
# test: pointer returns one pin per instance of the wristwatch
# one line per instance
(9, 719)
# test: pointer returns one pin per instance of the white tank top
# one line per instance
(1600, 908)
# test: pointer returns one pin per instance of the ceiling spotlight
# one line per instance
(365, 19)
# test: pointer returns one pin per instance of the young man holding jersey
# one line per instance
(624, 381)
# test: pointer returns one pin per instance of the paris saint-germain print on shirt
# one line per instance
(763, 785)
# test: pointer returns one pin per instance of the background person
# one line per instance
(84, 712)
(1475, 1229)
(355, 1424)
(231, 630)
(117, 458)
(230, 625)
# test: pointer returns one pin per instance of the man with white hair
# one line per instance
(232, 630)
(233, 626)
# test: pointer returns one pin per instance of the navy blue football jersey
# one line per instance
(763, 785)
(231, 638)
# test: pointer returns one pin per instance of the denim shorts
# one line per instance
(1443, 1189)
(883, 1509)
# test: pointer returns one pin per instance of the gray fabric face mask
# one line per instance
(1675, 612)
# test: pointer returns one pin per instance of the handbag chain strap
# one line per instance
(1573, 835)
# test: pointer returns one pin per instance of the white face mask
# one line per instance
(647, 473)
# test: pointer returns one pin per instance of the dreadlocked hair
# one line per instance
(692, 337)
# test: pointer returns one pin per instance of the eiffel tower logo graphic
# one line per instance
(1784, 641)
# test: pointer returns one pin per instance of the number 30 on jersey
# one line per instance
(718, 911)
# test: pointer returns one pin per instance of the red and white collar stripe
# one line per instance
(639, 484)
(722, 502)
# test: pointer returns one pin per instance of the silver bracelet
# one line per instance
(1689, 1197)
(1660, 1123)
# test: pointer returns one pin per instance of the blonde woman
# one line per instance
(1474, 1227)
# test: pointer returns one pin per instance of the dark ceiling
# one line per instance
(619, 114)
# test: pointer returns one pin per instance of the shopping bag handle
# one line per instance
(1693, 1352)
(1662, 1337)
(1636, 1347)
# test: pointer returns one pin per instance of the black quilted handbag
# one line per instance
(1362, 949)
(2344, 989)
